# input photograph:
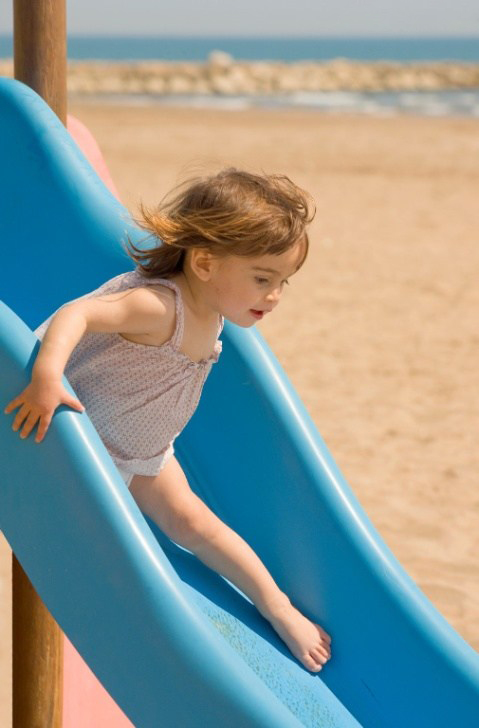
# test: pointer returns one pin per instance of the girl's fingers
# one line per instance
(26, 418)
(29, 424)
(74, 403)
(43, 426)
(21, 415)
(12, 405)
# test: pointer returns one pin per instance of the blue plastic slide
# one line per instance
(173, 643)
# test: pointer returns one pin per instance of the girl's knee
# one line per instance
(190, 524)
(180, 514)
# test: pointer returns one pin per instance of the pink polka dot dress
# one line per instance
(139, 397)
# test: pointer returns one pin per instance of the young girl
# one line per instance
(138, 350)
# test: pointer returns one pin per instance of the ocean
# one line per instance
(183, 48)
(175, 48)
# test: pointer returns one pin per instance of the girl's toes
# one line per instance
(319, 656)
(325, 650)
(311, 663)
(324, 635)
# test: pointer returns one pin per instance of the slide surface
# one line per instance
(173, 643)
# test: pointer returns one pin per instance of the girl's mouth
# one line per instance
(257, 314)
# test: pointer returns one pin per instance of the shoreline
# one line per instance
(430, 104)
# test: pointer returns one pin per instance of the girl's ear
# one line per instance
(202, 263)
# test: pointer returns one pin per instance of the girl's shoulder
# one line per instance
(147, 308)
(154, 300)
(161, 289)
(135, 279)
(164, 289)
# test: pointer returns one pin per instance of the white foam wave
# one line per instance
(441, 103)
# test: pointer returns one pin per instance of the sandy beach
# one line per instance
(378, 332)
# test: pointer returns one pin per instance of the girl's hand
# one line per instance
(37, 403)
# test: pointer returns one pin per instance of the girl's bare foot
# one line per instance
(306, 640)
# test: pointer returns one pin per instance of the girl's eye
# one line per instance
(265, 281)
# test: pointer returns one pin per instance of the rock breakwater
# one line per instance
(223, 75)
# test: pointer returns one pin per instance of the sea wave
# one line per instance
(441, 103)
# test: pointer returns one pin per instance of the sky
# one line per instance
(266, 17)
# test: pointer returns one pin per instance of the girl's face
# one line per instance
(246, 289)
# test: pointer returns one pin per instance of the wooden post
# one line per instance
(40, 50)
(37, 658)
(40, 61)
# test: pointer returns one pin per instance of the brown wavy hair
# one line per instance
(233, 212)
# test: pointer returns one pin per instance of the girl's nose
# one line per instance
(274, 296)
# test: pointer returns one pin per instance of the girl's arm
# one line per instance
(46, 392)
(137, 311)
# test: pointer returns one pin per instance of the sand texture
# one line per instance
(378, 332)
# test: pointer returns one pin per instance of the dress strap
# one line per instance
(177, 337)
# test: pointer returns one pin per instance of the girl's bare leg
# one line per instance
(169, 501)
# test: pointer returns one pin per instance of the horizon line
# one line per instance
(279, 36)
